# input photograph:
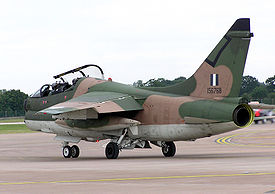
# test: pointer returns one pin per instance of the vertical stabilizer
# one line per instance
(220, 74)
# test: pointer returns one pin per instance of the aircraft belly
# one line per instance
(183, 132)
(52, 127)
(46, 126)
(167, 132)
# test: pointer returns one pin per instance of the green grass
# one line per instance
(11, 120)
(17, 128)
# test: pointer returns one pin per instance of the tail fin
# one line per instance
(220, 74)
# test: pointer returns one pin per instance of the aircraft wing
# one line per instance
(89, 105)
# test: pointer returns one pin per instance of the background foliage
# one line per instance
(251, 88)
(11, 103)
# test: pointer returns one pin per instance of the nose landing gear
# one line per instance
(69, 152)
(75, 151)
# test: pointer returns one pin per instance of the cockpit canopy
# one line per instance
(66, 81)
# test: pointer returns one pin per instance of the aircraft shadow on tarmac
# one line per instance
(160, 157)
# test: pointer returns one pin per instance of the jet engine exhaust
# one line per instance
(243, 115)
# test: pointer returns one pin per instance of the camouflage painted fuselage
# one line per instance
(162, 116)
(204, 105)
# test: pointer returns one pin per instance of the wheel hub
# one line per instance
(66, 151)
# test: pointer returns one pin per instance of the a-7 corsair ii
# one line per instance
(93, 109)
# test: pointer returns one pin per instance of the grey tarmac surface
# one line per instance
(242, 161)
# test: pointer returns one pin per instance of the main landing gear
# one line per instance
(112, 150)
(168, 149)
(69, 152)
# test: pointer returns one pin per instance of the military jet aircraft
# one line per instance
(263, 112)
(93, 109)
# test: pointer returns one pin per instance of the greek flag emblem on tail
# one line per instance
(214, 79)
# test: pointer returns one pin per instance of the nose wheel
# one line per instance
(69, 152)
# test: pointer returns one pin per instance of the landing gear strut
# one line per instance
(71, 151)
(168, 149)
(112, 148)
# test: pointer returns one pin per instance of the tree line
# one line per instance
(251, 88)
(254, 90)
(11, 101)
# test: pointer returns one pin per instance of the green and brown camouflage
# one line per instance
(205, 104)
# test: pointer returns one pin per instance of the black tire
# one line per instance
(112, 150)
(169, 149)
(67, 152)
(75, 151)
(256, 122)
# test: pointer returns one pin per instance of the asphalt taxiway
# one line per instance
(241, 161)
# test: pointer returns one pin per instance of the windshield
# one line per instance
(36, 94)
(66, 81)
